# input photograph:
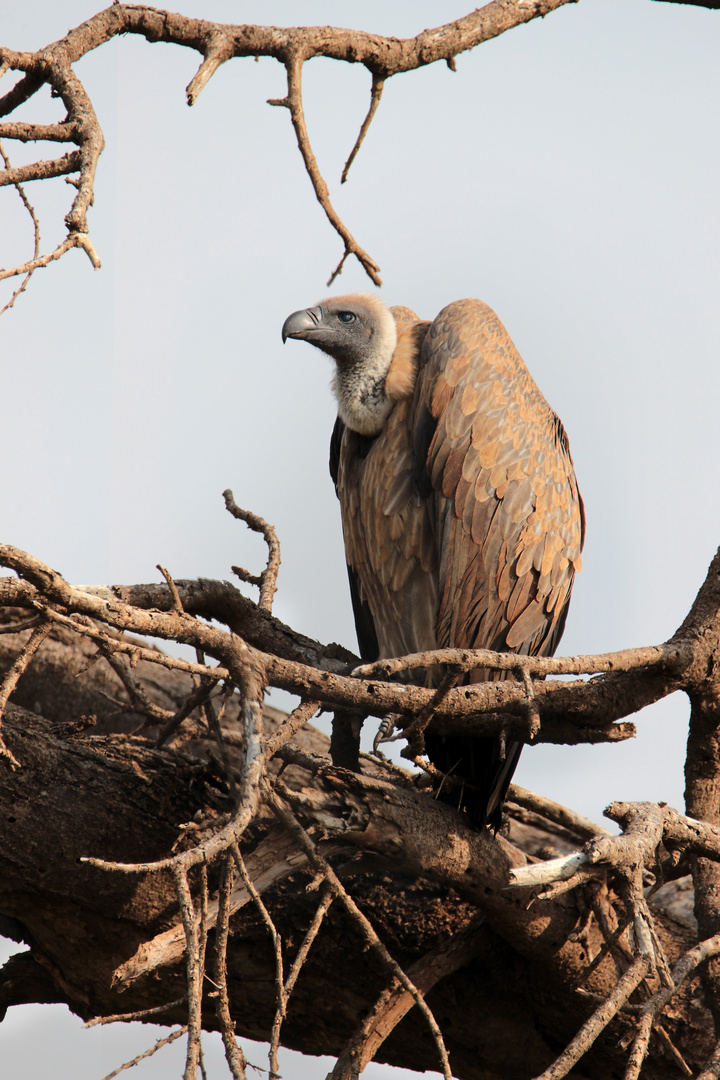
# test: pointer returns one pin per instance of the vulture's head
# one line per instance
(359, 333)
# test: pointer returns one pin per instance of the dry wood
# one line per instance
(218, 43)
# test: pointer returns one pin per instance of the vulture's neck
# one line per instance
(367, 389)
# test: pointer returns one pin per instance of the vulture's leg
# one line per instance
(345, 739)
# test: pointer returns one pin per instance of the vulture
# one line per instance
(461, 514)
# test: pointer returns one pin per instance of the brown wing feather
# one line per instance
(499, 454)
(509, 549)
(463, 522)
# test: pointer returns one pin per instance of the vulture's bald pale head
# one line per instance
(358, 331)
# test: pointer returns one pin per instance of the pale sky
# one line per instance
(567, 174)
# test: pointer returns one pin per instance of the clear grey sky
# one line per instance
(567, 174)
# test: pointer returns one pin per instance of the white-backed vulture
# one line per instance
(461, 513)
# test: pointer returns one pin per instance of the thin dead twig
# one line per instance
(75, 239)
(294, 102)
(198, 696)
(148, 1053)
(599, 1020)
(268, 578)
(297, 719)
(556, 812)
(280, 999)
(651, 1009)
(36, 229)
(414, 732)
(395, 1002)
(605, 949)
(233, 1054)
(194, 974)
(135, 691)
(378, 84)
(177, 606)
(312, 932)
(275, 797)
(13, 677)
(19, 627)
(139, 1014)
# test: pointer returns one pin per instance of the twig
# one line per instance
(395, 1002)
(11, 680)
(36, 231)
(280, 999)
(72, 241)
(322, 866)
(293, 102)
(18, 627)
(599, 1020)
(193, 971)
(193, 700)
(555, 812)
(233, 1054)
(214, 724)
(290, 727)
(652, 1008)
(611, 941)
(378, 83)
(268, 578)
(136, 693)
(312, 932)
(139, 1014)
(414, 731)
(218, 49)
(148, 1053)
(177, 606)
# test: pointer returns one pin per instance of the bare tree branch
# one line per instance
(218, 43)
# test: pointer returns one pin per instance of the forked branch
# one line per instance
(219, 43)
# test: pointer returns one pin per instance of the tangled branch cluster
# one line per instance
(256, 651)
(217, 43)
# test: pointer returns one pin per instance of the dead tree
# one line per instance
(175, 851)
(200, 833)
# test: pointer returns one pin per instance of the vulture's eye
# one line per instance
(346, 316)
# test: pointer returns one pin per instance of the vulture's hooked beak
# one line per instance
(302, 324)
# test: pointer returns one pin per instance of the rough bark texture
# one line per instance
(507, 1013)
